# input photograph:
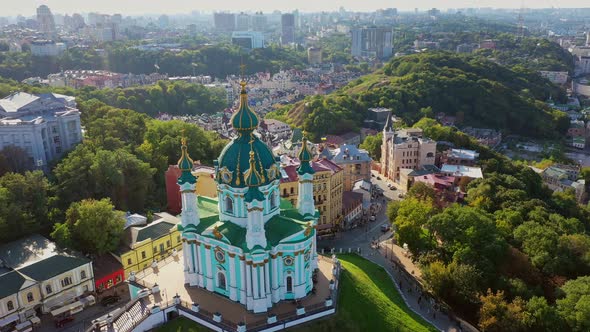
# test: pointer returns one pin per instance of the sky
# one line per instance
(137, 7)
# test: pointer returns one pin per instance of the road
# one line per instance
(365, 238)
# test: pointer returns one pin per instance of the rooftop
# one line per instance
(26, 251)
(460, 170)
(463, 154)
(52, 266)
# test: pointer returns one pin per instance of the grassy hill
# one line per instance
(477, 91)
(368, 301)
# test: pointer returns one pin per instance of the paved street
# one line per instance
(363, 237)
(82, 320)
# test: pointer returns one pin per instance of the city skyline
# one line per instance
(135, 7)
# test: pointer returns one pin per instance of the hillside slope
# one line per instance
(475, 90)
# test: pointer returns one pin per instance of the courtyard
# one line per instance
(170, 279)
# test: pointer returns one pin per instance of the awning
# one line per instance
(9, 319)
(67, 308)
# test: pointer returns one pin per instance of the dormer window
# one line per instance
(229, 205)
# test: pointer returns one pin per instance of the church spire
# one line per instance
(305, 156)
(244, 120)
(185, 164)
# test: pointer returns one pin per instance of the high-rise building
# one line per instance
(224, 21)
(314, 55)
(259, 22)
(287, 29)
(46, 21)
(242, 22)
(248, 39)
(372, 42)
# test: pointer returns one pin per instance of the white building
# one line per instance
(248, 39)
(45, 126)
(277, 128)
(47, 48)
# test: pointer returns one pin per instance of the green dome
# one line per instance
(244, 120)
(234, 161)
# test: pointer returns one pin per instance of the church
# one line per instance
(248, 244)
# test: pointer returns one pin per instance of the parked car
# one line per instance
(62, 321)
(144, 292)
(385, 228)
(110, 300)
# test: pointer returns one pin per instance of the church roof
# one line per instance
(289, 222)
(185, 164)
(234, 160)
(244, 120)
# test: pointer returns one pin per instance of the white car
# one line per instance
(144, 292)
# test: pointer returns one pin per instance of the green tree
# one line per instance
(574, 307)
(411, 217)
(422, 191)
(91, 226)
(24, 201)
(372, 144)
(541, 316)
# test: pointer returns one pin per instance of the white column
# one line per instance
(232, 278)
(209, 269)
(200, 272)
(186, 258)
(248, 280)
(280, 277)
(267, 279)
(256, 283)
(195, 267)
(243, 282)
(275, 273)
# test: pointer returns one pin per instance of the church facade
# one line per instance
(248, 244)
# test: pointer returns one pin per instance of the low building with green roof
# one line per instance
(37, 275)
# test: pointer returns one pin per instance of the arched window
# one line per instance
(429, 155)
(83, 275)
(292, 190)
(273, 200)
(30, 297)
(289, 285)
(48, 289)
(9, 305)
(229, 205)
(221, 280)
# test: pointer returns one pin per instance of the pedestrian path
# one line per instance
(410, 290)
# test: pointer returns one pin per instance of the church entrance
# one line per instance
(221, 284)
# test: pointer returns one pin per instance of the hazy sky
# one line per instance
(27, 7)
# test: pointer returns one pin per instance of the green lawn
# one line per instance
(182, 324)
(368, 302)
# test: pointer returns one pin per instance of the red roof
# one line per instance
(436, 181)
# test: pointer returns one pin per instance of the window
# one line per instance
(48, 289)
(178, 239)
(168, 244)
(162, 248)
(273, 200)
(229, 205)
(221, 280)
(292, 189)
(143, 254)
(9, 305)
(30, 297)
(129, 261)
(83, 275)
(289, 285)
(155, 250)
(66, 282)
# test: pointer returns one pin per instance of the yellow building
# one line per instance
(149, 243)
(37, 276)
(206, 186)
(327, 189)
